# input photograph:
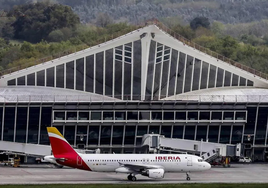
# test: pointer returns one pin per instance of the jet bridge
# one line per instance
(25, 149)
(207, 150)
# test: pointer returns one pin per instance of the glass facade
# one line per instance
(89, 73)
(173, 72)
(109, 72)
(237, 134)
(41, 78)
(204, 75)
(261, 129)
(201, 133)
(69, 134)
(180, 73)
(213, 133)
(25, 124)
(227, 78)
(117, 137)
(188, 73)
(60, 76)
(1, 125)
(225, 134)
(93, 135)
(111, 128)
(35, 119)
(31, 79)
(212, 76)
(99, 73)
(196, 76)
(117, 72)
(150, 71)
(219, 81)
(149, 116)
(33, 130)
(46, 114)
(79, 80)
(21, 124)
(50, 77)
(21, 81)
(130, 132)
(69, 79)
(9, 123)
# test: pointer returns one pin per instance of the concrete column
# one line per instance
(145, 49)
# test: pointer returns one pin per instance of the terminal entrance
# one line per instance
(189, 161)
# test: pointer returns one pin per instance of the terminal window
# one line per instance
(180, 115)
(216, 116)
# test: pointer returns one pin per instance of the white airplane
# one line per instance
(150, 165)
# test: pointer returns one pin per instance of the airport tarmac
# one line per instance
(46, 174)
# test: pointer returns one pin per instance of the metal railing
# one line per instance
(68, 51)
(120, 33)
(43, 59)
(221, 98)
(101, 98)
(208, 51)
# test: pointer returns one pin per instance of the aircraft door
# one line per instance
(189, 161)
(79, 160)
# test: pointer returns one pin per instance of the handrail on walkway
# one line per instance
(208, 51)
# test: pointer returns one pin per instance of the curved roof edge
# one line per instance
(44, 94)
(232, 94)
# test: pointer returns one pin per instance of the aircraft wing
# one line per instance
(140, 167)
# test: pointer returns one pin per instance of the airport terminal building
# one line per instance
(146, 81)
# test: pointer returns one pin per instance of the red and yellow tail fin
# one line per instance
(59, 144)
(63, 151)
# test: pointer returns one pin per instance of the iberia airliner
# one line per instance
(150, 165)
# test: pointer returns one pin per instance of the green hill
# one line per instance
(54, 29)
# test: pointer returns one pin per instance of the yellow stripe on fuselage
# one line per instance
(54, 130)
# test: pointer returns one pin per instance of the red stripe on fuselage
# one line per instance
(62, 149)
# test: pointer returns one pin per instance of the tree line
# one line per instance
(136, 11)
(60, 30)
(45, 29)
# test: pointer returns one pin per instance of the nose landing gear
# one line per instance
(188, 177)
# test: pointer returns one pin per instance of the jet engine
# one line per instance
(154, 173)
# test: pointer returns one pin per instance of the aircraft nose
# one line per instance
(208, 166)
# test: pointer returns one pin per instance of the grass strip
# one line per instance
(188, 185)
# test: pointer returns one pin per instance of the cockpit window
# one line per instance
(200, 160)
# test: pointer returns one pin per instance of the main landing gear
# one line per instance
(188, 177)
(131, 177)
